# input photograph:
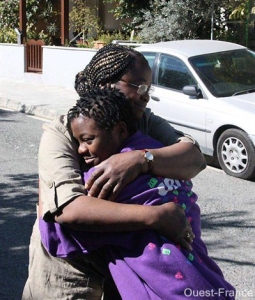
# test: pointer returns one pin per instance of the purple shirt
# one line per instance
(154, 268)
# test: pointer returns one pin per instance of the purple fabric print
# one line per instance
(154, 267)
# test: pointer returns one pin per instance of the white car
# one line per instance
(206, 88)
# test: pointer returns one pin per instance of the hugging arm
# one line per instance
(86, 213)
(120, 169)
(181, 158)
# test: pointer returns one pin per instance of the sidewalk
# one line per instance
(35, 99)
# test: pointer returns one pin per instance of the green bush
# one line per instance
(105, 37)
(35, 10)
(8, 36)
(87, 44)
(108, 37)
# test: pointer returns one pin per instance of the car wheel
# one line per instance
(236, 154)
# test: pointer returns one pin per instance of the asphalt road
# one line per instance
(228, 226)
(227, 208)
(19, 141)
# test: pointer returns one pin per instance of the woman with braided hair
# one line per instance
(128, 70)
(62, 195)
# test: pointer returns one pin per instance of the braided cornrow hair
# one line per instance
(108, 65)
(107, 106)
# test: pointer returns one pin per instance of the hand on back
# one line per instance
(113, 174)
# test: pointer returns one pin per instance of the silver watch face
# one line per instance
(149, 156)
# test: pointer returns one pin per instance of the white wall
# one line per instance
(60, 64)
(12, 58)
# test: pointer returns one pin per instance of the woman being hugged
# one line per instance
(62, 193)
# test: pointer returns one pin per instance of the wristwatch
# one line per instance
(149, 157)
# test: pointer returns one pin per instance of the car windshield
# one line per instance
(226, 73)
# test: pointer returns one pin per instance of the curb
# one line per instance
(38, 111)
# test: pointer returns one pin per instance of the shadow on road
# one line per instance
(215, 221)
(17, 214)
(225, 234)
(5, 114)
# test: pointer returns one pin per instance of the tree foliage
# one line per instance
(9, 12)
(42, 20)
(171, 20)
(153, 20)
(241, 22)
(239, 11)
(168, 19)
(128, 8)
(84, 17)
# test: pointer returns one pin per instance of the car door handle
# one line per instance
(155, 98)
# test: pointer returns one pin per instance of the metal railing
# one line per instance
(34, 55)
(127, 43)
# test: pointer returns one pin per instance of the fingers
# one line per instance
(95, 183)
(100, 188)
(175, 226)
(111, 175)
(188, 233)
(93, 177)
(103, 183)
(186, 241)
(187, 236)
(104, 189)
(184, 244)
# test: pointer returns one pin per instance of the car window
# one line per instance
(150, 58)
(226, 73)
(173, 73)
